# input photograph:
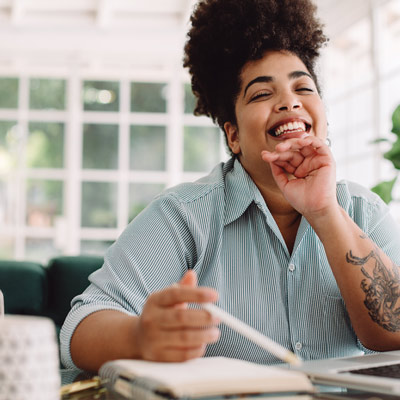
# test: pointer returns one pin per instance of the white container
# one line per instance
(29, 361)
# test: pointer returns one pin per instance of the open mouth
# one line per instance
(290, 127)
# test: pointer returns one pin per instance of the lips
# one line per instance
(291, 126)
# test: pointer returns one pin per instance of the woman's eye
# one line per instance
(260, 95)
(305, 89)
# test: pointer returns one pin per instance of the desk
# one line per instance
(323, 393)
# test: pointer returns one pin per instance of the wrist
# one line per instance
(326, 219)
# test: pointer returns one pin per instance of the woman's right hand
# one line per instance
(168, 330)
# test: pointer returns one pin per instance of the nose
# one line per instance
(288, 102)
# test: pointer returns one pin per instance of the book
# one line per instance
(201, 377)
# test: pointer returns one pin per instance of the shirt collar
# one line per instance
(241, 191)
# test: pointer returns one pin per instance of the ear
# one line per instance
(232, 134)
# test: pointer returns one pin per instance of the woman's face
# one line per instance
(278, 100)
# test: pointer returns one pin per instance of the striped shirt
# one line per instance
(221, 227)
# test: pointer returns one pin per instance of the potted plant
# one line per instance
(384, 189)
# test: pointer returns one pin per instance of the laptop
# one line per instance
(369, 373)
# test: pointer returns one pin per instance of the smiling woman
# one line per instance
(269, 235)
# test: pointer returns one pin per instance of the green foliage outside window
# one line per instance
(44, 201)
(45, 145)
(148, 148)
(9, 92)
(100, 96)
(99, 205)
(190, 100)
(148, 97)
(384, 189)
(201, 148)
(100, 146)
(46, 94)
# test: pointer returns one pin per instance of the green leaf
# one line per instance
(384, 190)
(396, 121)
(379, 140)
(393, 154)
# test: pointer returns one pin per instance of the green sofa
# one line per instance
(46, 290)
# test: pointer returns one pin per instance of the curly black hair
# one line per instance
(226, 34)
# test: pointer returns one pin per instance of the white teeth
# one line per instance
(291, 126)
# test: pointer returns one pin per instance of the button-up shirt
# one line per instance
(221, 227)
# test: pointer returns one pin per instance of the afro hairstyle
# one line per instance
(226, 34)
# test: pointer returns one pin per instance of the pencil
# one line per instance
(255, 336)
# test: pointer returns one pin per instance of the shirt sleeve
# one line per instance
(152, 253)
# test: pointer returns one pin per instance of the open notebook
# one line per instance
(202, 377)
(374, 373)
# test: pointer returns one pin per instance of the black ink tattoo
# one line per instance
(382, 290)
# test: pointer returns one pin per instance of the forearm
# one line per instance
(367, 278)
(103, 336)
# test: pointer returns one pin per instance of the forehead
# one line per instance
(274, 63)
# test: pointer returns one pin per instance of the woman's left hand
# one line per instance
(304, 170)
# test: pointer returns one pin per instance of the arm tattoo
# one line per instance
(382, 290)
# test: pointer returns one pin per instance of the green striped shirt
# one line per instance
(221, 227)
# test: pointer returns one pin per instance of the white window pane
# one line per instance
(9, 92)
(100, 146)
(99, 205)
(147, 148)
(44, 201)
(100, 96)
(201, 148)
(148, 97)
(47, 94)
(45, 148)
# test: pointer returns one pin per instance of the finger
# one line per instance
(279, 175)
(269, 156)
(286, 166)
(308, 151)
(293, 144)
(294, 158)
(189, 279)
(183, 294)
(186, 318)
(187, 338)
(297, 144)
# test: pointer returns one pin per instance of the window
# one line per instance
(362, 70)
(81, 157)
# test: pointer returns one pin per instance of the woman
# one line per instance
(269, 235)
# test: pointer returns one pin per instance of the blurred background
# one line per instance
(96, 112)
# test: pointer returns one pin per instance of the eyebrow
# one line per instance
(266, 78)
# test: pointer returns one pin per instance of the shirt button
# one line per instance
(292, 267)
(298, 346)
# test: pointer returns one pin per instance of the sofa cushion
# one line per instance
(24, 286)
(68, 277)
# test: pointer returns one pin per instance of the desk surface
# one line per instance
(323, 393)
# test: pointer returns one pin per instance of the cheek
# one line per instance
(321, 124)
(251, 120)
